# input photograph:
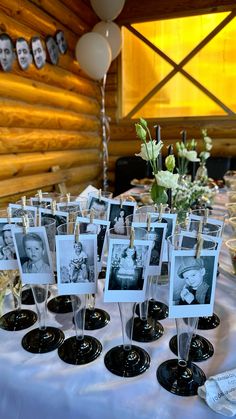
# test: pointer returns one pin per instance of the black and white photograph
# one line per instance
(211, 226)
(61, 217)
(76, 264)
(7, 248)
(39, 54)
(24, 56)
(98, 227)
(157, 234)
(53, 50)
(41, 203)
(189, 240)
(126, 275)
(61, 41)
(117, 216)
(7, 54)
(71, 207)
(33, 255)
(100, 207)
(18, 211)
(192, 283)
(170, 220)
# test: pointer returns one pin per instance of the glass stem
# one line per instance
(185, 330)
(91, 298)
(143, 310)
(79, 314)
(127, 322)
(40, 293)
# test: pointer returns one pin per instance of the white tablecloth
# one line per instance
(44, 387)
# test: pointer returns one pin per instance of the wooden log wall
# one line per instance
(49, 117)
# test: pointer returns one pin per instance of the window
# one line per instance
(180, 67)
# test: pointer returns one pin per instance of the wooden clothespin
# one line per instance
(91, 216)
(25, 223)
(132, 236)
(54, 207)
(72, 217)
(160, 212)
(199, 241)
(9, 215)
(148, 222)
(23, 202)
(40, 195)
(77, 232)
(99, 194)
(206, 215)
(68, 197)
(121, 201)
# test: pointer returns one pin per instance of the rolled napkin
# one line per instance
(219, 392)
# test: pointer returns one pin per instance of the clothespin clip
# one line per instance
(199, 241)
(77, 233)
(99, 194)
(148, 222)
(23, 202)
(9, 215)
(121, 201)
(91, 216)
(25, 223)
(54, 207)
(206, 215)
(160, 212)
(72, 217)
(68, 197)
(132, 236)
(40, 195)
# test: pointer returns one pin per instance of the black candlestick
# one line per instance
(184, 136)
(169, 191)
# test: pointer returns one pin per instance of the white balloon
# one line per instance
(93, 53)
(112, 33)
(107, 9)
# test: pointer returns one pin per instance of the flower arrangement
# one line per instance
(189, 193)
(186, 153)
(150, 151)
(202, 174)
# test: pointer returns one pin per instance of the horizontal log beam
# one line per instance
(31, 163)
(83, 174)
(15, 140)
(23, 115)
(83, 10)
(138, 11)
(4, 201)
(19, 88)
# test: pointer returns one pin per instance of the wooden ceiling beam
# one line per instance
(141, 11)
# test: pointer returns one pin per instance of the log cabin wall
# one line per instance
(49, 117)
(123, 141)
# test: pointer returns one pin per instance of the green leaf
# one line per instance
(158, 194)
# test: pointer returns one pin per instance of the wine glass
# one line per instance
(79, 349)
(17, 319)
(181, 376)
(126, 360)
(201, 348)
(210, 322)
(44, 338)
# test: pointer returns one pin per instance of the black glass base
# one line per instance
(80, 351)
(18, 320)
(60, 305)
(27, 297)
(127, 363)
(208, 323)
(158, 310)
(146, 331)
(181, 383)
(200, 349)
(96, 319)
(41, 341)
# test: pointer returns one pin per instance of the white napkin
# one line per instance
(85, 193)
(219, 392)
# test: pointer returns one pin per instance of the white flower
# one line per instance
(167, 179)
(204, 155)
(150, 150)
(208, 146)
(191, 155)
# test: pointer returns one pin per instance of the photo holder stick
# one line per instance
(77, 232)
(132, 237)
(25, 223)
(199, 241)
